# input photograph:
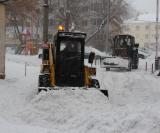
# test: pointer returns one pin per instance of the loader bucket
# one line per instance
(105, 92)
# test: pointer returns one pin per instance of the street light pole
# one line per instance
(157, 15)
(67, 16)
(2, 39)
(107, 35)
(45, 22)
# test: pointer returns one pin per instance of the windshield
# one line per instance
(122, 41)
(70, 46)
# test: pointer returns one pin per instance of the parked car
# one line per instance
(143, 53)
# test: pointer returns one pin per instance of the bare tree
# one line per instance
(19, 12)
(69, 13)
(86, 9)
(38, 19)
(119, 10)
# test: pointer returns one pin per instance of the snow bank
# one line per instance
(90, 49)
(64, 109)
(89, 111)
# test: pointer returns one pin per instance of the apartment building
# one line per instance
(143, 28)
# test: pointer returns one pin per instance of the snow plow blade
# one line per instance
(59, 88)
(115, 62)
(105, 92)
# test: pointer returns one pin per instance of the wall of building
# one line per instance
(144, 35)
(2, 41)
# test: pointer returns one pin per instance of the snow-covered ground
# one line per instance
(132, 107)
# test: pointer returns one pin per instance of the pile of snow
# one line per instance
(133, 104)
(90, 49)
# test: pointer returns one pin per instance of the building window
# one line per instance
(146, 36)
(128, 27)
(137, 36)
(84, 23)
(93, 7)
(73, 8)
(137, 27)
(93, 21)
(158, 36)
(28, 24)
(37, 24)
(99, 37)
(85, 9)
(37, 36)
(61, 9)
(99, 21)
(50, 22)
(96, 21)
(154, 36)
(7, 36)
(158, 26)
(50, 36)
(147, 27)
(96, 6)
(15, 37)
(50, 10)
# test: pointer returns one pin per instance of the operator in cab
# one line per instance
(68, 47)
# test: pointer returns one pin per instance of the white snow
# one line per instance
(132, 107)
(90, 49)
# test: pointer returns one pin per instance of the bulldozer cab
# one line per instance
(124, 45)
(121, 40)
(69, 58)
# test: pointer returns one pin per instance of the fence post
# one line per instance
(146, 66)
(98, 60)
(95, 59)
(25, 67)
(152, 69)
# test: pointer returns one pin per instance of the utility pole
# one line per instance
(157, 15)
(67, 17)
(45, 21)
(2, 39)
(107, 35)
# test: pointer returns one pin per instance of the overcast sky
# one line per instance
(143, 6)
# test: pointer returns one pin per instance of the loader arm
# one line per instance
(52, 66)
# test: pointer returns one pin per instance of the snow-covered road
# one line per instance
(132, 107)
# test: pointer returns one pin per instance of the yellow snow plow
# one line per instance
(63, 64)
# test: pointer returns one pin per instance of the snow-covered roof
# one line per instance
(145, 18)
